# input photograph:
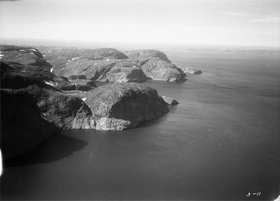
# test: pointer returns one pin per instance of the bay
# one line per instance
(221, 142)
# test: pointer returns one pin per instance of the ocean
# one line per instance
(221, 142)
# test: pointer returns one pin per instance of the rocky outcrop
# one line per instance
(34, 102)
(111, 65)
(60, 57)
(158, 69)
(65, 111)
(169, 100)
(108, 70)
(140, 55)
(22, 127)
(102, 53)
(123, 71)
(189, 70)
(15, 76)
(110, 107)
(24, 55)
(156, 65)
(120, 106)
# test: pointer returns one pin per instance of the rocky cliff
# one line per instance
(156, 65)
(120, 106)
(110, 65)
(36, 102)
(22, 126)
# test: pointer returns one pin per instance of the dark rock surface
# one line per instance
(16, 75)
(23, 55)
(19, 76)
(65, 111)
(169, 100)
(22, 127)
(119, 106)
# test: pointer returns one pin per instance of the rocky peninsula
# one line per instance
(46, 89)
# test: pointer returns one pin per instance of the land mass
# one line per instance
(46, 89)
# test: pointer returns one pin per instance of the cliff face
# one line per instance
(120, 106)
(111, 65)
(156, 65)
(63, 110)
(158, 69)
(22, 127)
(36, 102)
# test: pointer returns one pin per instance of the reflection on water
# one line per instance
(219, 143)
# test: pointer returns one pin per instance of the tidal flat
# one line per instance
(221, 142)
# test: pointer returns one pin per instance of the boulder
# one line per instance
(119, 106)
(23, 55)
(169, 100)
(22, 126)
(189, 70)
(158, 69)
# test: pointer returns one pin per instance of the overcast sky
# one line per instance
(206, 22)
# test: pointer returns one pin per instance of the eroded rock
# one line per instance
(119, 106)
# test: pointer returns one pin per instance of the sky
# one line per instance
(197, 22)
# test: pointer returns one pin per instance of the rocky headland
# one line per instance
(44, 90)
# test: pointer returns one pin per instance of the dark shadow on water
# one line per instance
(56, 147)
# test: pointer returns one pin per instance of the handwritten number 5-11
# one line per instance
(255, 194)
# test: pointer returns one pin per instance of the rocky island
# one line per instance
(46, 89)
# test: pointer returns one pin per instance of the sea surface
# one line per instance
(220, 143)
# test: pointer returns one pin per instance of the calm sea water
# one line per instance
(220, 143)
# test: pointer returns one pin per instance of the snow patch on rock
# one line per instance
(50, 83)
